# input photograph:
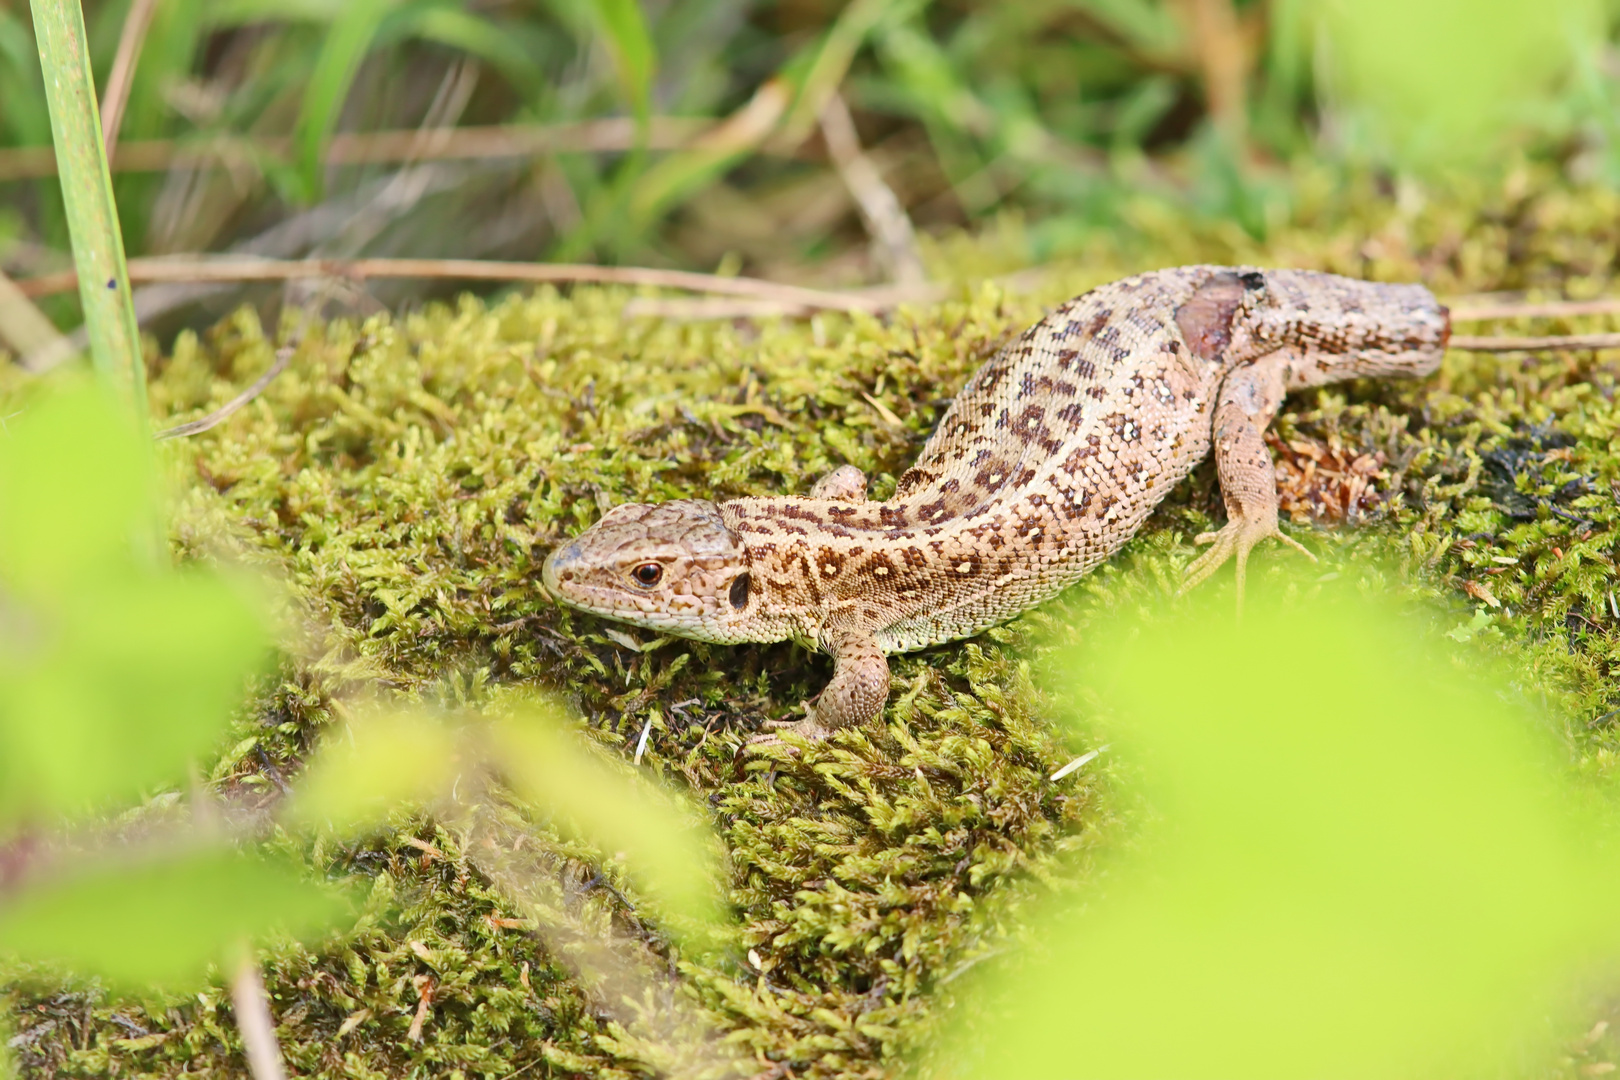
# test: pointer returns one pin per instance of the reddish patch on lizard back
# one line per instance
(1206, 318)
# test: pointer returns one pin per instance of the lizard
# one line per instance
(1044, 465)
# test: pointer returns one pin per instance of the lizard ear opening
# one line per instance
(739, 591)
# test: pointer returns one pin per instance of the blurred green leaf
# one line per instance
(240, 12)
(24, 113)
(76, 491)
(1364, 862)
(818, 73)
(380, 763)
(1148, 28)
(109, 692)
(1431, 81)
(665, 847)
(474, 36)
(624, 28)
(165, 919)
(114, 674)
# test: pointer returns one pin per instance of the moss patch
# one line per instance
(406, 476)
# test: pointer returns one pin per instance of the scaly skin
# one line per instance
(1048, 461)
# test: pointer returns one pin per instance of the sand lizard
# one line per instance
(1046, 463)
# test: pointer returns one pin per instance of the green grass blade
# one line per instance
(622, 24)
(347, 43)
(24, 119)
(477, 37)
(832, 60)
(98, 244)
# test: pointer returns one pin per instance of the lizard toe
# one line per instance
(1235, 539)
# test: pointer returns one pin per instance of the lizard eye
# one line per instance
(648, 574)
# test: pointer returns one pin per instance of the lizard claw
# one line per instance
(1237, 537)
(810, 729)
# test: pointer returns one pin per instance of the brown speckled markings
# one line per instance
(1046, 463)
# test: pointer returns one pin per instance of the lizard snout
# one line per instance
(556, 565)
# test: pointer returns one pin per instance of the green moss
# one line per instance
(406, 475)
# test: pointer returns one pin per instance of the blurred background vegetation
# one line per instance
(686, 132)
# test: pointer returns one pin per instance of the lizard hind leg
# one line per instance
(1249, 400)
(844, 484)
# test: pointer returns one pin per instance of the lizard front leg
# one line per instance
(855, 694)
(1249, 400)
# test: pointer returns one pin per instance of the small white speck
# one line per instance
(828, 569)
(965, 568)
(881, 571)
(1505, 560)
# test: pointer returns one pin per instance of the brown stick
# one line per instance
(119, 80)
(235, 268)
(1503, 343)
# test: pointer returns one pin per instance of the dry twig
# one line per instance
(1222, 54)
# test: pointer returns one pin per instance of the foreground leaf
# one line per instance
(382, 762)
(1365, 865)
(163, 920)
(664, 847)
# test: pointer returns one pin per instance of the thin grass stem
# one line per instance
(98, 245)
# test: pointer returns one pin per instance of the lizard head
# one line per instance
(674, 567)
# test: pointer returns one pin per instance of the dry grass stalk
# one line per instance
(253, 1020)
(116, 94)
(494, 142)
(1482, 311)
(213, 419)
(893, 238)
(1223, 58)
(26, 331)
(1505, 343)
(201, 268)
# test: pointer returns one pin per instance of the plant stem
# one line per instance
(254, 1022)
(98, 245)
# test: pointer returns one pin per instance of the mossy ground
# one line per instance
(407, 474)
